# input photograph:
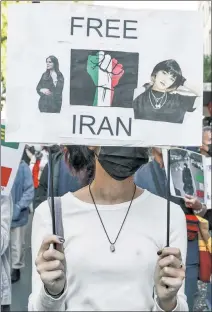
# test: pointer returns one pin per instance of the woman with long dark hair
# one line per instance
(165, 98)
(50, 87)
(187, 180)
(112, 256)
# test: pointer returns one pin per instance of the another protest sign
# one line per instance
(187, 174)
(124, 77)
(11, 154)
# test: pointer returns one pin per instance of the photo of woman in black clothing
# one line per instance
(162, 99)
(187, 181)
(50, 87)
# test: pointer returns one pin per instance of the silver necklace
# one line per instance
(159, 102)
(112, 244)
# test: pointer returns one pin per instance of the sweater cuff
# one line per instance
(46, 302)
(157, 308)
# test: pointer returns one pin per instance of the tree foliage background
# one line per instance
(4, 7)
(207, 68)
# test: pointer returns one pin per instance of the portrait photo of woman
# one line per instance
(166, 98)
(50, 87)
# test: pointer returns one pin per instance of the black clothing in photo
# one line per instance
(162, 106)
(50, 103)
(188, 183)
(5, 308)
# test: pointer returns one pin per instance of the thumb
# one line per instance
(188, 196)
(48, 241)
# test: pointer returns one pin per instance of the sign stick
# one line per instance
(51, 188)
(168, 198)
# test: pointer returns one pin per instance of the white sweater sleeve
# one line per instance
(39, 300)
(6, 211)
(178, 239)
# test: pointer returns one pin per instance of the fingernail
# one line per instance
(61, 239)
(159, 252)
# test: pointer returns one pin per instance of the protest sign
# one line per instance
(187, 173)
(85, 74)
(11, 154)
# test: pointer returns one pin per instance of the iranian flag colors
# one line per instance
(5, 175)
(200, 190)
(7, 144)
(105, 73)
(11, 154)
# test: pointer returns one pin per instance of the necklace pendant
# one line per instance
(112, 248)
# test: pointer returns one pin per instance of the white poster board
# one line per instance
(11, 154)
(187, 173)
(93, 75)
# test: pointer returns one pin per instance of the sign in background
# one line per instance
(187, 174)
(101, 63)
(11, 154)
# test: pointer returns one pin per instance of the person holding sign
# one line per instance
(162, 99)
(50, 87)
(206, 149)
(153, 177)
(112, 256)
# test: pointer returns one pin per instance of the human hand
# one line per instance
(50, 264)
(16, 212)
(192, 202)
(105, 73)
(169, 276)
(204, 149)
(45, 91)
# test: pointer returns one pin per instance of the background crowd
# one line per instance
(31, 188)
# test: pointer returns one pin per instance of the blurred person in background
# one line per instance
(152, 177)
(27, 155)
(5, 284)
(65, 177)
(22, 196)
(206, 150)
(38, 160)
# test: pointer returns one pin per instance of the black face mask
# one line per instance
(122, 162)
(210, 150)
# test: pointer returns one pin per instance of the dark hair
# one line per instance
(207, 121)
(207, 128)
(80, 159)
(173, 68)
(56, 67)
(25, 157)
(185, 164)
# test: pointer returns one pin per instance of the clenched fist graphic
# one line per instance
(105, 73)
